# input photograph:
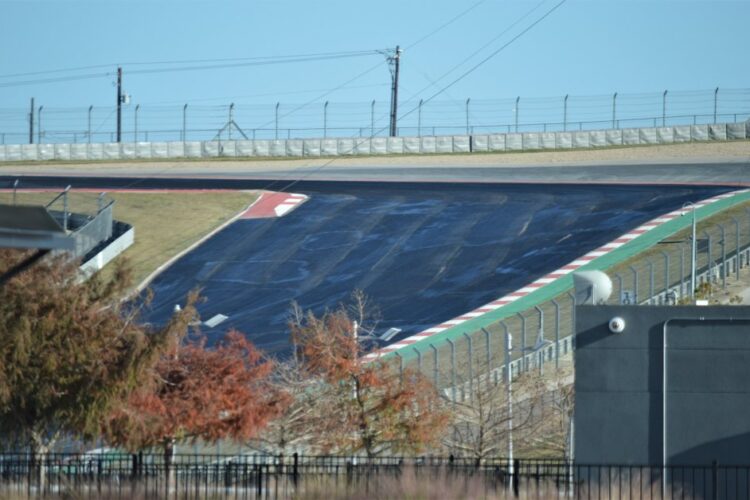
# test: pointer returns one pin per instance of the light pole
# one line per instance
(693, 249)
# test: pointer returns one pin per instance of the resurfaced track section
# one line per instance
(423, 254)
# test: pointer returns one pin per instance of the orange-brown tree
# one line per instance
(195, 392)
(368, 406)
(69, 350)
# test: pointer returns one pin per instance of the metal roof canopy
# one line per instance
(25, 226)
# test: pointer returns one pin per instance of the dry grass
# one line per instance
(165, 223)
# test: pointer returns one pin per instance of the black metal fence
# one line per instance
(116, 475)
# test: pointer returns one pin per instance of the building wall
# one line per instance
(619, 380)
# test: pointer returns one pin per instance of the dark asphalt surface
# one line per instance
(423, 255)
(423, 252)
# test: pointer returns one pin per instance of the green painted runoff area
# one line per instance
(552, 290)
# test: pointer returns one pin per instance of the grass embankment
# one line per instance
(165, 223)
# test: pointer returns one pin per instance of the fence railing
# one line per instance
(188, 122)
(102, 474)
(659, 275)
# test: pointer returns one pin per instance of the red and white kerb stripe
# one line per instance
(273, 204)
(545, 280)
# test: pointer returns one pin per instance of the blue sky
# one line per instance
(582, 48)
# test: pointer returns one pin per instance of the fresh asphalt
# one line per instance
(423, 252)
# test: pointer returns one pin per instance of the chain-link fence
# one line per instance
(282, 120)
(541, 337)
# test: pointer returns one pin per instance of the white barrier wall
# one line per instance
(526, 141)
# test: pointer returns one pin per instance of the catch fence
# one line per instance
(120, 475)
(284, 121)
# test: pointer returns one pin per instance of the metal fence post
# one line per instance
(419, 359)
(524, 361)
(135, 124)
(614, 109)
(723, 243)
(682, 270)
(453, 369)
(557, 333)
(540, 336)
(709, 273)
(664, 109)
(184, 122)
(635, 284)
(471, 365)
(507, 352)
(488, 354)
(716, 99)
(650, 281)
(572, 298)
(516, 111)
(435, 366)
(372, 118)
(276, 121)
(325, 119)
(88, 133)
(619, 284)
(468, 100)
(666, 274)
(737, 256)
(565, 113)
(400, 367)
(419, 118)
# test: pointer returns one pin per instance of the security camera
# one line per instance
(617, 325)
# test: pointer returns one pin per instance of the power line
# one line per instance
(55, 80)
(260, 61)
(433, 83)
(189, 61)
(446, 24)
(496, 52)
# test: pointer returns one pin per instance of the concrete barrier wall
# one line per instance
(291, 148)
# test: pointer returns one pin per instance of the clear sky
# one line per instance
(582, 48)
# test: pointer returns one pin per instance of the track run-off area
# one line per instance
(424, 253)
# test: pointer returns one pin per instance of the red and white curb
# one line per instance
(546, 280)
(273, 204)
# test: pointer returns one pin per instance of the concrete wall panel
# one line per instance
(531, 141)
(444, 144)
(481, 143)
(62, 151)
(345, 146)
(700, 132)
(496, 142)
(514, 142)
(193, 149)
(395, 145)
(311, 147)
(295, 147)
(581, 139)
(29, 152)
(379, 146)
(79, 152)
(461, 144)
(46, 151)
(412, 145)
(631, 137)
(261, 148)
(244, 149)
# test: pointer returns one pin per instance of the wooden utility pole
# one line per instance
(119, 104)
(393, 62)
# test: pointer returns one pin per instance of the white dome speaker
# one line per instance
(591, 287)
